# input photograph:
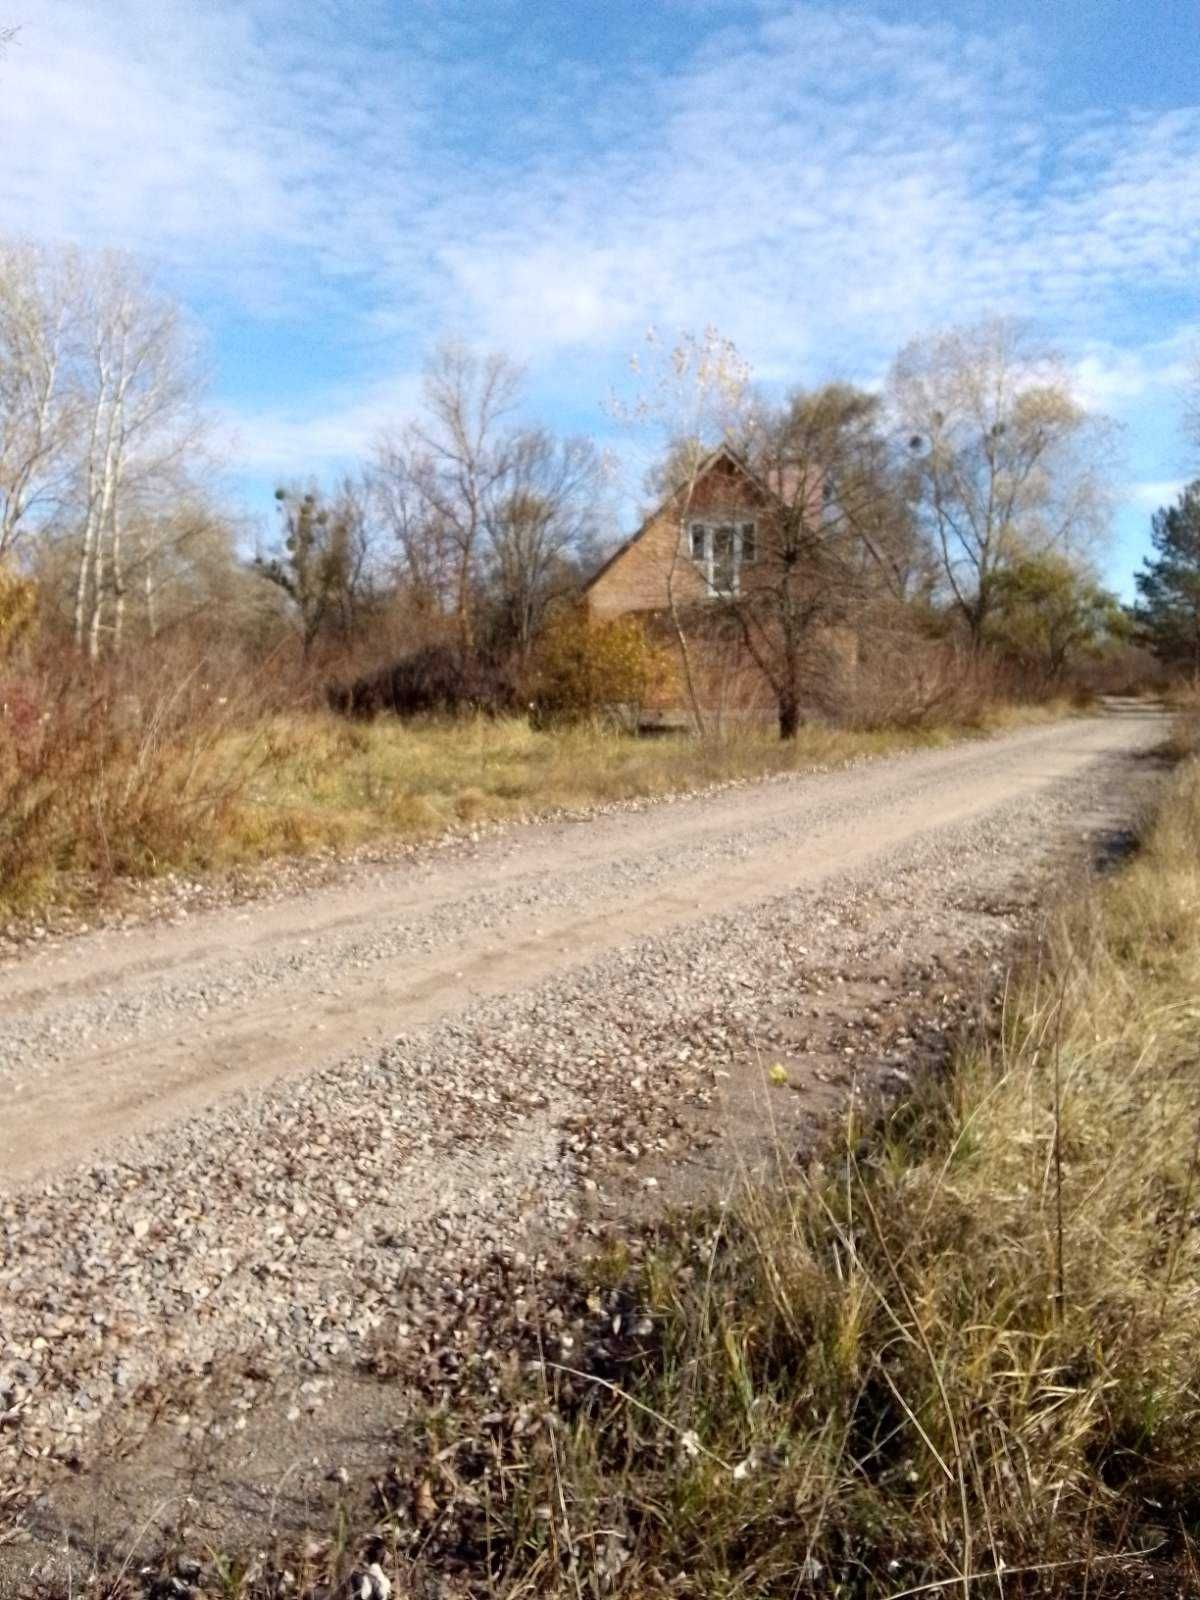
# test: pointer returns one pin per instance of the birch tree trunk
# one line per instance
(118, 573)
(93, 648)
(109, 485)
(91, 509)
(35, 417)
(149, 592)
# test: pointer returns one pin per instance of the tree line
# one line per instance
(468, 517)
(101, 445)
(468, 521)
(965, 499)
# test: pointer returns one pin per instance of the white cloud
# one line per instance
(298, 441)
(849, 180)
(1152, 494)
(1108, 377)
(220, 141)
(818, 183)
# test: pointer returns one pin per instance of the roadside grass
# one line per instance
(347, 782)
(959, 1354)
(1183, 738)
(1182, 696)
(105, 789)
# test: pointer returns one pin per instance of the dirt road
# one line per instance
(117, 1034)
(246, 1160)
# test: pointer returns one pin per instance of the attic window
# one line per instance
(721, 550)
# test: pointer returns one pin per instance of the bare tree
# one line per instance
(98, 427)
(444, 471)
(181, 561)
(1009, 463)
(322, 561)
(137, 387)
(542, 511)
(38, 304)
(830, 539)
(484, 510)
(428, 563)
(871, 485)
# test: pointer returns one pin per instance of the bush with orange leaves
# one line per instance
(588, 669)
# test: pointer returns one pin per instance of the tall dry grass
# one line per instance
(194, 761)
(120, 772)
(363, 780)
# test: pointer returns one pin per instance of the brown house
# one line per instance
(706, 543)
(700, 545)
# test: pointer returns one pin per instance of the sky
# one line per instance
(329, 188)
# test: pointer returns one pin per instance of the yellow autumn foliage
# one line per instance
(585, 667)
(18, 604)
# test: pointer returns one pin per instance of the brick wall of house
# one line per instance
(641, 577)
(657, 563)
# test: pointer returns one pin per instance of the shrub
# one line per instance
(435, 679)
(114, 773)
(583, 668)
(913, 683)
(18, 603)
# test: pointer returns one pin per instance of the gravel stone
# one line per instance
(303, 1228)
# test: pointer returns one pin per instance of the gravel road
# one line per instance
(280, 1134)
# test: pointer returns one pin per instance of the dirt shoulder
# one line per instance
(206, 1305)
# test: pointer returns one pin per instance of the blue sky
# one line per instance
(330, 187)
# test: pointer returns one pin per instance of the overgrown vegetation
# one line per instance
(893, 519)
(115, 775)
(587, 669)
(107, 776)
(915, 561)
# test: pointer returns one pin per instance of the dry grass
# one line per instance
(343, 782)
(1183, 741)
(1182, 696)
(103, 782)
(104, 778)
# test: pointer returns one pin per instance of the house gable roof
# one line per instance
(722, 453)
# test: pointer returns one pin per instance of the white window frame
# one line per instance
(701, 550)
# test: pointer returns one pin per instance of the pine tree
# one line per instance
(1168, 610)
